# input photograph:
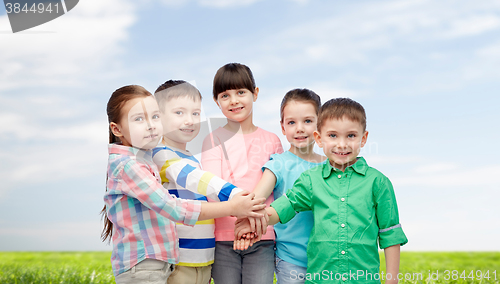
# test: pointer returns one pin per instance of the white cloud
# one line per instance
(463, 177)
(219, 4)
(36, 165)
(222, 4)
(490, 52)
(176, 3)
(354, 35)
(474, 25)
(74, 236)
(436, 168)
(61, 52)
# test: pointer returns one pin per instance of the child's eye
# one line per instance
(178, 112)
(241, 92)
(196, 113)
(308, 121)
(332, 136)
(156, 116)
(139, 118)
(291, 122)
(224, 96)
(351, 135)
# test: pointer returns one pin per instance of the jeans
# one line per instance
(146, 271)
(288, 273)
(252, 266)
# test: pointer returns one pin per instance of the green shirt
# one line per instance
(352, 210)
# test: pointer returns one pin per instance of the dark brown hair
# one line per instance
(233, 76)
(174, 89)
(340, 108)
(113, 109)
(301, 95)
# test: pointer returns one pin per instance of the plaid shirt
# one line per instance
(141, 210)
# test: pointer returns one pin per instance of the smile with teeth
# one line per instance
(187, 130)
(152, 136)
(237, 109)
(342, 153)
(301, 137)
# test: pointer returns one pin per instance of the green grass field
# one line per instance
(95, 267)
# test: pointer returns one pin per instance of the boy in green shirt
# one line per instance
(353, 205)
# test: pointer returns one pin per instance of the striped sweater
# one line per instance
(182, 175)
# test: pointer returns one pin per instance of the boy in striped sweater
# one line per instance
(181, 174)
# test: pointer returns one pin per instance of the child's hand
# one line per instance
(244, 205)
(242, 227)
(245, 242)
(259, 225)
(244, 236)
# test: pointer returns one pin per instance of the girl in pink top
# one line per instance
(236, 153)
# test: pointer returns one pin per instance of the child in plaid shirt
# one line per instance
(139, 211)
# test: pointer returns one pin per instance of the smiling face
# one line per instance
(140, 125)
(341, 140)
(299, 124)
(237, 104)
(181, 121)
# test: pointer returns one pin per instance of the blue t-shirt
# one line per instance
(292, 237)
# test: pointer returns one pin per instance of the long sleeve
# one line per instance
(141, 184)
(186, 174)
(390, 231)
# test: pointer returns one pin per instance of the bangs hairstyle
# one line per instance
(233, 76)
(342, 108)
(301, 95)
(175, 89)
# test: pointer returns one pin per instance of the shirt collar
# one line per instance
(360, 167)
(118, 148)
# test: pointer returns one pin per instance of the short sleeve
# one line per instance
(390, 231)
(211, 155)
(297, 199)
(275, 165)
(278, 148)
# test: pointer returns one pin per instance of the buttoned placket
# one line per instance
(343, 178)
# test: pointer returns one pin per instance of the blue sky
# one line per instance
(426, 72)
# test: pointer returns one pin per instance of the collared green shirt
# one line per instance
(352, 211)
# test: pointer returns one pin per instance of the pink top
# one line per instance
(238, 159)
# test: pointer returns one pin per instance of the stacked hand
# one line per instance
(248, 231)
(246, 205)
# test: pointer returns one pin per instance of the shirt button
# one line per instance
(342, 199)
(342, 252)
(339, 176)
(343, 225)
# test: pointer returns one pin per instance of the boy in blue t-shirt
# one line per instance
(299, 114)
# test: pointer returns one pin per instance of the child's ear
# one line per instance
(115, 129)
(317, 138)
(216, 102)
(282, 128)
(255, 94)
(364, 138)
